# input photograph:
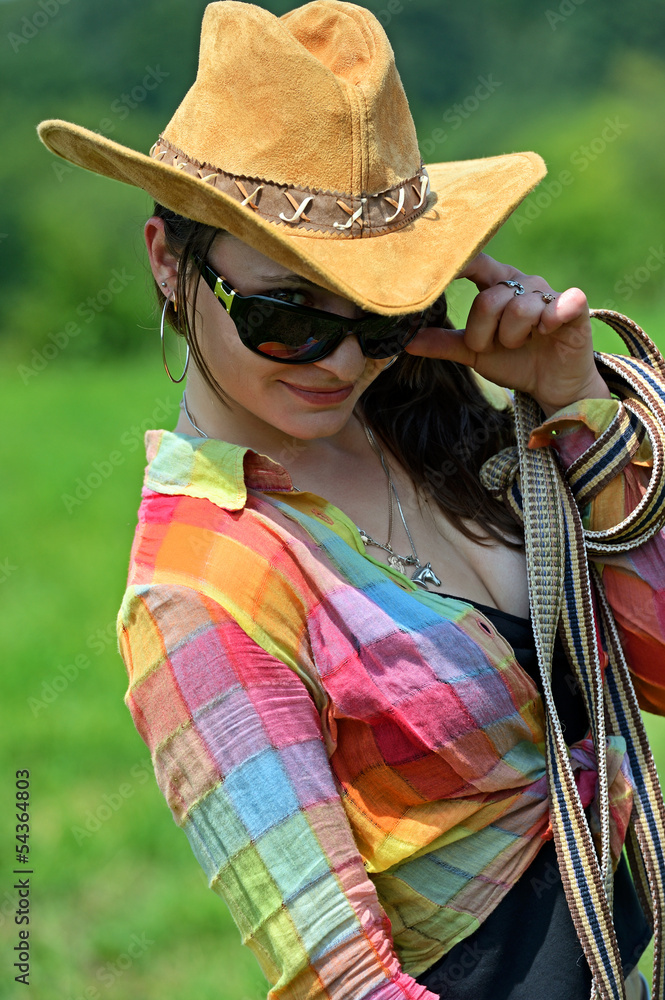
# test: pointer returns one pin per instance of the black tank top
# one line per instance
(527, 948)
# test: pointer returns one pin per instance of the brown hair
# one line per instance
(430, 413)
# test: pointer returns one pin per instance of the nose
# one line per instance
(347, 362)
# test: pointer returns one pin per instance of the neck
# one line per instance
(204, 416)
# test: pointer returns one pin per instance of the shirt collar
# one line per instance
(179, 465)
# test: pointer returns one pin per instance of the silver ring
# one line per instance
(546, 296)
(519, 289)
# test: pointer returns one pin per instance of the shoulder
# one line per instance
(193, 542)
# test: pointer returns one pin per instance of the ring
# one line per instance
(547, 296)
(519, 289)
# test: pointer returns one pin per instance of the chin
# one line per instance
(316, 425)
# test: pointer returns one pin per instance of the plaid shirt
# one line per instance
(358, 764)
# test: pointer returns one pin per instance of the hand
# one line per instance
(521, 341)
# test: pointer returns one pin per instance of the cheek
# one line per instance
(237, 369)
(219, 342)
(372, 371)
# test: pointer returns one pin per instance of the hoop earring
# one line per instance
(161, 335)
(390, 363)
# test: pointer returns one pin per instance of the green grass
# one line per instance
(133, 880)
(65, 720)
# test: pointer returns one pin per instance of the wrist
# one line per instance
(596, 388)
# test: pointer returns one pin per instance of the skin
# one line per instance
(517, 341)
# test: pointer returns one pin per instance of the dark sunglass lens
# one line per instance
(273, 349)
(384, 341)
(280, 333)
(381, 349)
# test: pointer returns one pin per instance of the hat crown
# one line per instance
(311, 99)
(296, 137)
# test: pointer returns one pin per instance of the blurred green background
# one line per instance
(119, 906)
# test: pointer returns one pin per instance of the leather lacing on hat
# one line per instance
(313, 209)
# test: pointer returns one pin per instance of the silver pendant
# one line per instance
(396, 563)
(424, 575)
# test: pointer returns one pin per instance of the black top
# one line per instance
(527, 949)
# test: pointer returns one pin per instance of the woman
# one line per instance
(360, 737)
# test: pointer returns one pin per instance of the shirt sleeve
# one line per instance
(634, 581)
(238, 750)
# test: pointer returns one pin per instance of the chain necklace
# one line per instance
(422, 575)
(184, 406)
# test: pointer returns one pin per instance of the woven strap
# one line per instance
(561, 596)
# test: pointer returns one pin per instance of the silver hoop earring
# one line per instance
(161, 334)
(390, 363)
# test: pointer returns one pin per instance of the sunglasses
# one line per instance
(296, 335)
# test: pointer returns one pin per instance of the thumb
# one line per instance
(448, 345)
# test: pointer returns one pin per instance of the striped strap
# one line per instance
(648, 857)
(561, 595)
(617, 445)
(557, 584)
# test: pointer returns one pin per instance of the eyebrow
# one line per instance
(290, 278)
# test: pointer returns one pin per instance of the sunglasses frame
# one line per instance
(238, 307)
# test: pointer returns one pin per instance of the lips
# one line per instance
(319, 396)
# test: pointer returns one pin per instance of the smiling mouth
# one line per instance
(319, 395)
(307, 388)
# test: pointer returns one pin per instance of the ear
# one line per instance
(163, 263)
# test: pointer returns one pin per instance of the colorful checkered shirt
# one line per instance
(358, 764)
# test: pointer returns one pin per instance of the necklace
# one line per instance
(187, 414)
(422, 575)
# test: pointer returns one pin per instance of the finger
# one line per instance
(435, 342)
(520, 317)
(569, 307)
(484, 316)
(484, 271)
(502, 313)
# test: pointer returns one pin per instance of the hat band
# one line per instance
(309, 209)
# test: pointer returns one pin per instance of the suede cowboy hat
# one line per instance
(297, 138)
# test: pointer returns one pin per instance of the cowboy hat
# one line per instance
(297, 138)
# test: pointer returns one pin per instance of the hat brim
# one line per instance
(399, 272)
